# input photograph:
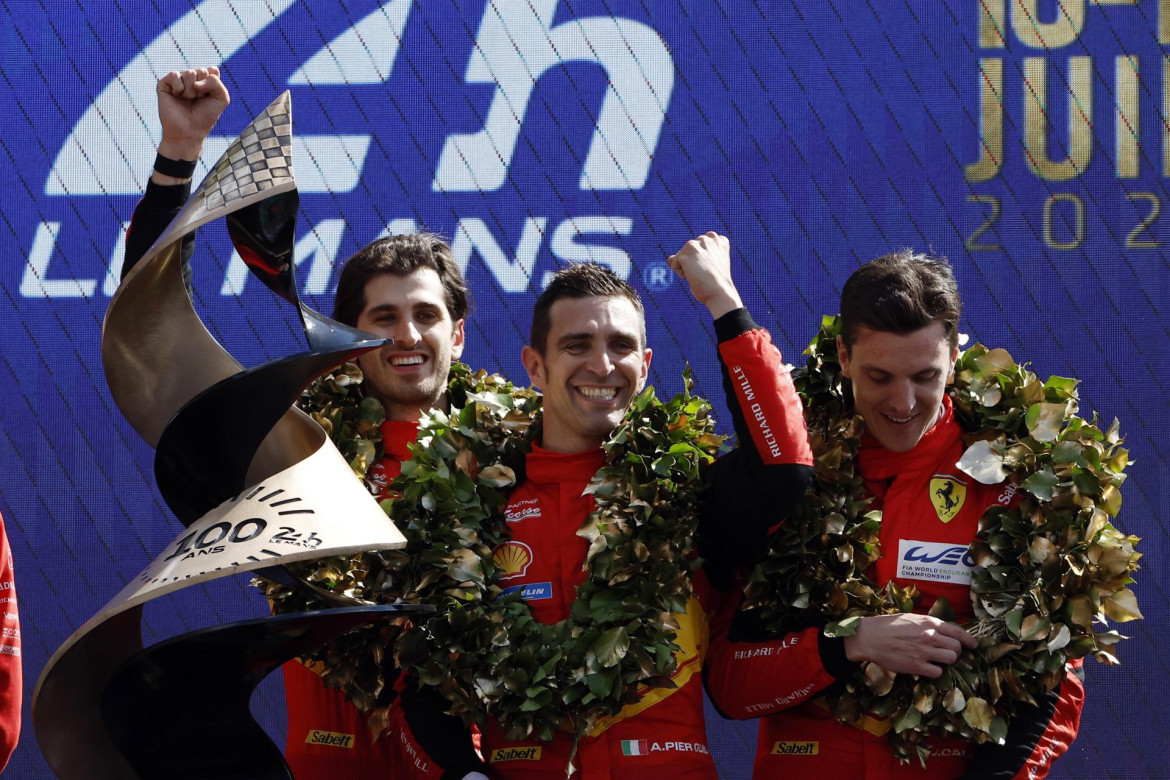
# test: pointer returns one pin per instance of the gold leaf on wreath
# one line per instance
(1122, 606)
(982, 463)
(879, 681)
(978, 714)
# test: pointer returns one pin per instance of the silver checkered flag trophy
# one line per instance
(255, 482)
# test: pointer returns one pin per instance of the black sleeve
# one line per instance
(443, 737)
(159, 205)
(745, 493)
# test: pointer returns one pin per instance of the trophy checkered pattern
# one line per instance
(260, 158)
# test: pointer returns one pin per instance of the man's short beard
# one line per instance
(425, 394)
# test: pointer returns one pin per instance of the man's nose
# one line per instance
(902, 398)
(405, 334)
(600, 362)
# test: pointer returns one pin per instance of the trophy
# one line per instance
(255, 482)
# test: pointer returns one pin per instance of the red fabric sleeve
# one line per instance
(750, 679)
(767, 398)
(10, 670)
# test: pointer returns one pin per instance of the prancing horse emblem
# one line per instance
(947, 494)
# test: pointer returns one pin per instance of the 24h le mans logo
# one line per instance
(517, 42)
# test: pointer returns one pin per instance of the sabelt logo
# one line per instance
(515, 754)
(513, 559)
(796, 748)
(331, 738)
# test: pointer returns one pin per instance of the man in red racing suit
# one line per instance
(930, 514)
(407, 288)
(588, 363)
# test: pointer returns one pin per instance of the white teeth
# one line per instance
(603, 393)
(406, 361)
(901, 419)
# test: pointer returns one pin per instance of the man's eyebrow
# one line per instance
(584, 335)
(382, 307)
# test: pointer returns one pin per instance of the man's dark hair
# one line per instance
(400, 255)
(900, 293)
(580, 280)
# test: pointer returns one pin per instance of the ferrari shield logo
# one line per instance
(947, 494)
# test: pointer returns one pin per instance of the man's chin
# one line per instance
(900, 441)
(413, 393)
(602, 424)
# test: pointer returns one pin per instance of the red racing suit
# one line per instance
(930, 514)
(11, 678)
(665, 731)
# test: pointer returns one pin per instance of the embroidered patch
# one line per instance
(533, 591)
(513, 558)
(644, 747)
(635, 747)
(934, 561)
(515, 754)
(522, 510)
(796, 748)
(331, 738)
(948, 494)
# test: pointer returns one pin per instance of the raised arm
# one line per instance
(753, 487)
(190, 102)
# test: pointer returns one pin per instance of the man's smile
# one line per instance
(407, 360)
(598, 393)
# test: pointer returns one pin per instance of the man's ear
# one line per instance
(534, 365)
(457, 339)
(954, 357)
(843, 357)
(649, 353)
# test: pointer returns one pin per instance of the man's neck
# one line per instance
(567, 445)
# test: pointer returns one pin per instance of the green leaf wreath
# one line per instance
(1049, 570)
(484, 651)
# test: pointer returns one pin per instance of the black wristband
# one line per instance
(179, 169)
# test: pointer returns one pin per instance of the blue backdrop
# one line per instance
(1027, 141)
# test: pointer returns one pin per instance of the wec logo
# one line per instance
(934, 561)
(946, 556)
(516, 44)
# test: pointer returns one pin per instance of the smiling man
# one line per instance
(898, 346)
(588, 355)
(420, 305)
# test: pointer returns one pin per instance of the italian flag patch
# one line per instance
(635, 747)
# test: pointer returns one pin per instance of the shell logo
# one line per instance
(513, 558)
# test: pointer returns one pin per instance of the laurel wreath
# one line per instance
(484, 651)
(1049, 570)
